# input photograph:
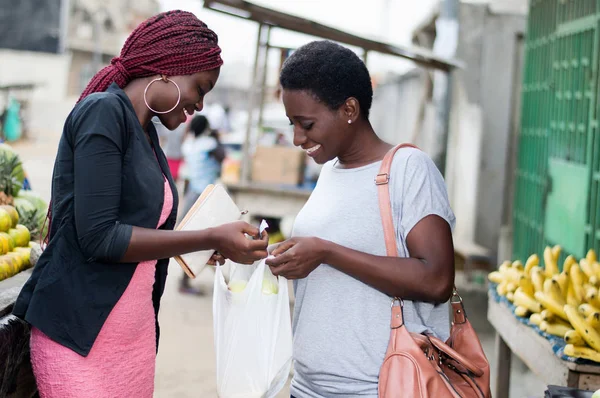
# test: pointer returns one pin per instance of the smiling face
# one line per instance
(323, 133)
(163, 96)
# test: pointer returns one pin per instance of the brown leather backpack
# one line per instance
(421, 366)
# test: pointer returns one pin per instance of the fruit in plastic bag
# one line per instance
(237, 286)
(270, 287)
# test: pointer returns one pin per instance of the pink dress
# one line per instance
(122, 360)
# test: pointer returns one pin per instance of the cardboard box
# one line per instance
(278, 165)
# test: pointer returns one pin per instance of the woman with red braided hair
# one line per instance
(93, 297)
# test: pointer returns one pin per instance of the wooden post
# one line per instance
(503, 357)
(263, 81)
(245, 172)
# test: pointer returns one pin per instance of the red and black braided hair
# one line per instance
(173, 43)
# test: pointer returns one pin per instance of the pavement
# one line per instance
(186, 361)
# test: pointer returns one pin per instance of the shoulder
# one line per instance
(99, 108)
(414, 163)
(100, 101)
(99, 114)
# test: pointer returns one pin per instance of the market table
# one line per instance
(515, 337)
(268, 200)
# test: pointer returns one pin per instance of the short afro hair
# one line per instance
(332, 73)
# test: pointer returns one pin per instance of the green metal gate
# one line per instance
(557, 195)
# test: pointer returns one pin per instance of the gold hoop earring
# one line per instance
(166, 80)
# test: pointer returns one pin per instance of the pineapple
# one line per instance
(11, 174)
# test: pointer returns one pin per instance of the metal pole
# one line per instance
(245, 172)
(448, 12)
(65, 12)
(261, 105)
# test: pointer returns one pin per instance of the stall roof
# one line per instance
(250, 11)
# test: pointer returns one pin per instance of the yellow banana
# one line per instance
(552, 290)
(521, 311)
(526, 285)
(596, 268)
(576, 277)
(522, 299)
(501, 288)
(504, 267)
(549, 264)
(563, 283)
(591, 296)
(551, 304)
(586, 309)
(586, 267)
(572, 337)
(532, 261)
(571, 299)
(582, 352)
(510, 296)
(591, 256)
(547, 316)
(512, 286)
(569, 261)
(513, 274)
(518, 265)
(556, 250)
(537, 278)
(594, 280)
(593, 320)
(589, 334)
(536, 319)
(556, 329)
(495, 277)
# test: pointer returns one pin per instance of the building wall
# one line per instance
(46, 106)
(480, 137)
(486, 93)
(48, 71)
(396, 108)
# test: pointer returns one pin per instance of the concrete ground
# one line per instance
(185, 363)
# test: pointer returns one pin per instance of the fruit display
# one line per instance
(563, 303)
(24, 206)
(17, 251)
(12, 174)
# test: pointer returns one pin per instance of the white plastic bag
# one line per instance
(252, 332)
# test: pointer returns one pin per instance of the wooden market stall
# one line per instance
(516, 338)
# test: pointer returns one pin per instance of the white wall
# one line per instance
(49, 71)
(48, 106)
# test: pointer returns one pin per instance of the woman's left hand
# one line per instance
(296, 258)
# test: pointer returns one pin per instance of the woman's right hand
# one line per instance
(232, 243)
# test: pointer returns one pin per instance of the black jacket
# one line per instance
(106, 179)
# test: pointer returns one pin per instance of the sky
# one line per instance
(386, 20)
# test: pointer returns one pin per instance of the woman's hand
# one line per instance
(231, 242)
(296, 258)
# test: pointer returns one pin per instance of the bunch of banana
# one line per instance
(562, 303)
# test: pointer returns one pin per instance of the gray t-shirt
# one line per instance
(341, 325)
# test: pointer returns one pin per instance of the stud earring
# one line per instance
(349, 121)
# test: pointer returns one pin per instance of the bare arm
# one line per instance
(229, 240)
(427, 275)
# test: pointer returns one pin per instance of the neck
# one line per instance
(365, 147)
(135, 92)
